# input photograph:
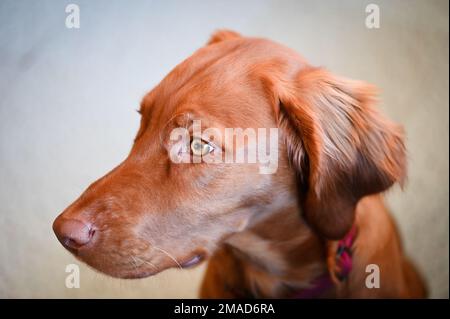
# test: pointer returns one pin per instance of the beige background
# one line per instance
(67, 101)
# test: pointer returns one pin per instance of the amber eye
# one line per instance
(200, 148)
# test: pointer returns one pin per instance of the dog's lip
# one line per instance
(196, 259)
(193, 261)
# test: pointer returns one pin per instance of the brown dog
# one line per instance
(266, 235)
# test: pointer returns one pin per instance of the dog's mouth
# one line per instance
(195, 260)
(144, 273)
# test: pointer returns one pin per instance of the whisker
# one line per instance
(169, 255)
(146, 262)
(134, 263)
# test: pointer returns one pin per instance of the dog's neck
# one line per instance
(279, 252)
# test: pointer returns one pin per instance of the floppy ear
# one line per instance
(340, 144)
(222, 35)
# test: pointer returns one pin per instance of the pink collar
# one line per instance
(343, 261)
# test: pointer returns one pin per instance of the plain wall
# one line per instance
(68, 99)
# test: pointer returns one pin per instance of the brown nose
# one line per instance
(72, 233)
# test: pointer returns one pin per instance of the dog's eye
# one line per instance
(200, 148)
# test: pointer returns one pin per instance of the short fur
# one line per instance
(265, 235)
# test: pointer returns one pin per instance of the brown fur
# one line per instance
(265, 235)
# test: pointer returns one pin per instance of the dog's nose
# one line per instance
(72, 233)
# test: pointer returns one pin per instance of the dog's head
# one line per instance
(176, 197)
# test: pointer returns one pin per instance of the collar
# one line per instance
(344, 263)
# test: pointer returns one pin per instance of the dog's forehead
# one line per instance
(195, 73)
(219, 79)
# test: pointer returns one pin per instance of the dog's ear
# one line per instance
(340, 144)
(222, 35)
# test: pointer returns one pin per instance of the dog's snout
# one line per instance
(72, 233)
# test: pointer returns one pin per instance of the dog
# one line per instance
(315, 228)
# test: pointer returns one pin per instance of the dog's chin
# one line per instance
(134, 275)
(127, 273)
(139, 273)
